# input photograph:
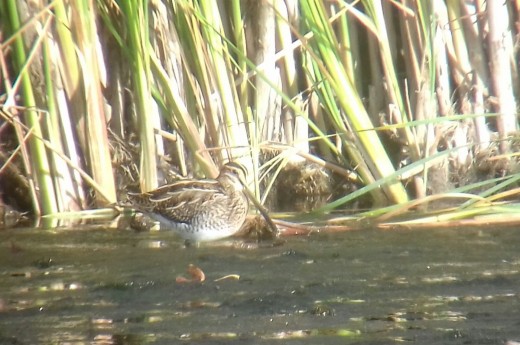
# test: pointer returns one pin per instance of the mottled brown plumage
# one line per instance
(199, 210)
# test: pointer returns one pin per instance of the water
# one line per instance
(444, 286)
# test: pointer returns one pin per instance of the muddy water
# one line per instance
(456, 286)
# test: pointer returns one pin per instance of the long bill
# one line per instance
(262, 209)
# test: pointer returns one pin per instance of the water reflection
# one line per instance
(120, 287)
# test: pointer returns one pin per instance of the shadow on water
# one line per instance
(458, 286)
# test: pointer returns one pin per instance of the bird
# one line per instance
(199, 210)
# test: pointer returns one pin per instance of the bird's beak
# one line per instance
(261, 208)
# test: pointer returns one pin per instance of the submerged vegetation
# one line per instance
(379, 105)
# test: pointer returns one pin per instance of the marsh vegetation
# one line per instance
(379, 107)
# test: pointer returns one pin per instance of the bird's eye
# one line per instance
(238, 169)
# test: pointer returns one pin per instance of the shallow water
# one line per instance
(456, 286)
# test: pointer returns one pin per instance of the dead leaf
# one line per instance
(196, 275)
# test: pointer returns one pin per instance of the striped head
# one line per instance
(233, 174)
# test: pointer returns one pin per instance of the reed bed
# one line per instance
(410, 104)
